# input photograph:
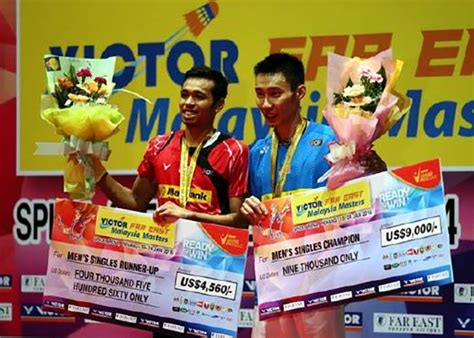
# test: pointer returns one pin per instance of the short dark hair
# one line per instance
(219, 90)
(290, 66)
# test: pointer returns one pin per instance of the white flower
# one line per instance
(101, 100)
(341, 151)
(355, 90)
(358, 101)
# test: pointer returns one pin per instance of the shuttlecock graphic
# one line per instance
(196, 21)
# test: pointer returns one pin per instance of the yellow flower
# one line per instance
(78, 98)
(359, 101)
(343, 111)
(104, 90)
(91, 86)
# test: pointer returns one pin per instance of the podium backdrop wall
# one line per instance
(155, 43)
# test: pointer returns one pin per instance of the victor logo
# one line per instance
(108, 222)
(300, 209)
(464, 322)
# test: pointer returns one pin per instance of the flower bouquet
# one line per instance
(362, 106)
(77, 106)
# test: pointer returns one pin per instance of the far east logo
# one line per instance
(33, 283)
(380, 320)
(408, 323)
(6, 312)
(464, 293)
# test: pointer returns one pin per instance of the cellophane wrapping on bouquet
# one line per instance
(77, 105)
(362, 105)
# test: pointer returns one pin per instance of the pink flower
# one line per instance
(84, 72)
(366, 72)
(376, 78)
(372, 76)
(101, 80)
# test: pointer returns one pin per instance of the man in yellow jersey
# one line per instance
(291, 159)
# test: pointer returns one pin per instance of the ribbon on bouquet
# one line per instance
(73, 144)
(79, 174)
(338, 152)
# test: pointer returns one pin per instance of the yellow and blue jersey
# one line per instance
(307, 165)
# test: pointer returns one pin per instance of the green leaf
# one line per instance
(384, 75)
(61, 96)
(72, 75)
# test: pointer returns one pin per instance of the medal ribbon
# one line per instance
(278, 185)
(186, 172)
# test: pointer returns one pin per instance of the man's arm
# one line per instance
(169, 212)
(136, 198)
(234, 218)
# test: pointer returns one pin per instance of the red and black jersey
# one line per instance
(221, 171)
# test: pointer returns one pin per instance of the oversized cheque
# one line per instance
(373, 236)
(119, 266)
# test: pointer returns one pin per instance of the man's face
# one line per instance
(197, 104)
(277, 102)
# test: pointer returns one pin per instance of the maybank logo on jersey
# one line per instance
(324, 204)
(195, 195)
(133, 226)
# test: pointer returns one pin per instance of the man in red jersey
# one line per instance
(197, 173)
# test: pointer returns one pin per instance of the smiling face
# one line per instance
(197, 105)
(277, 102)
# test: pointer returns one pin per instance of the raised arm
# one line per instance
(137, 198)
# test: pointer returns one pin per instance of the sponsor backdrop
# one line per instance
(155, 42)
